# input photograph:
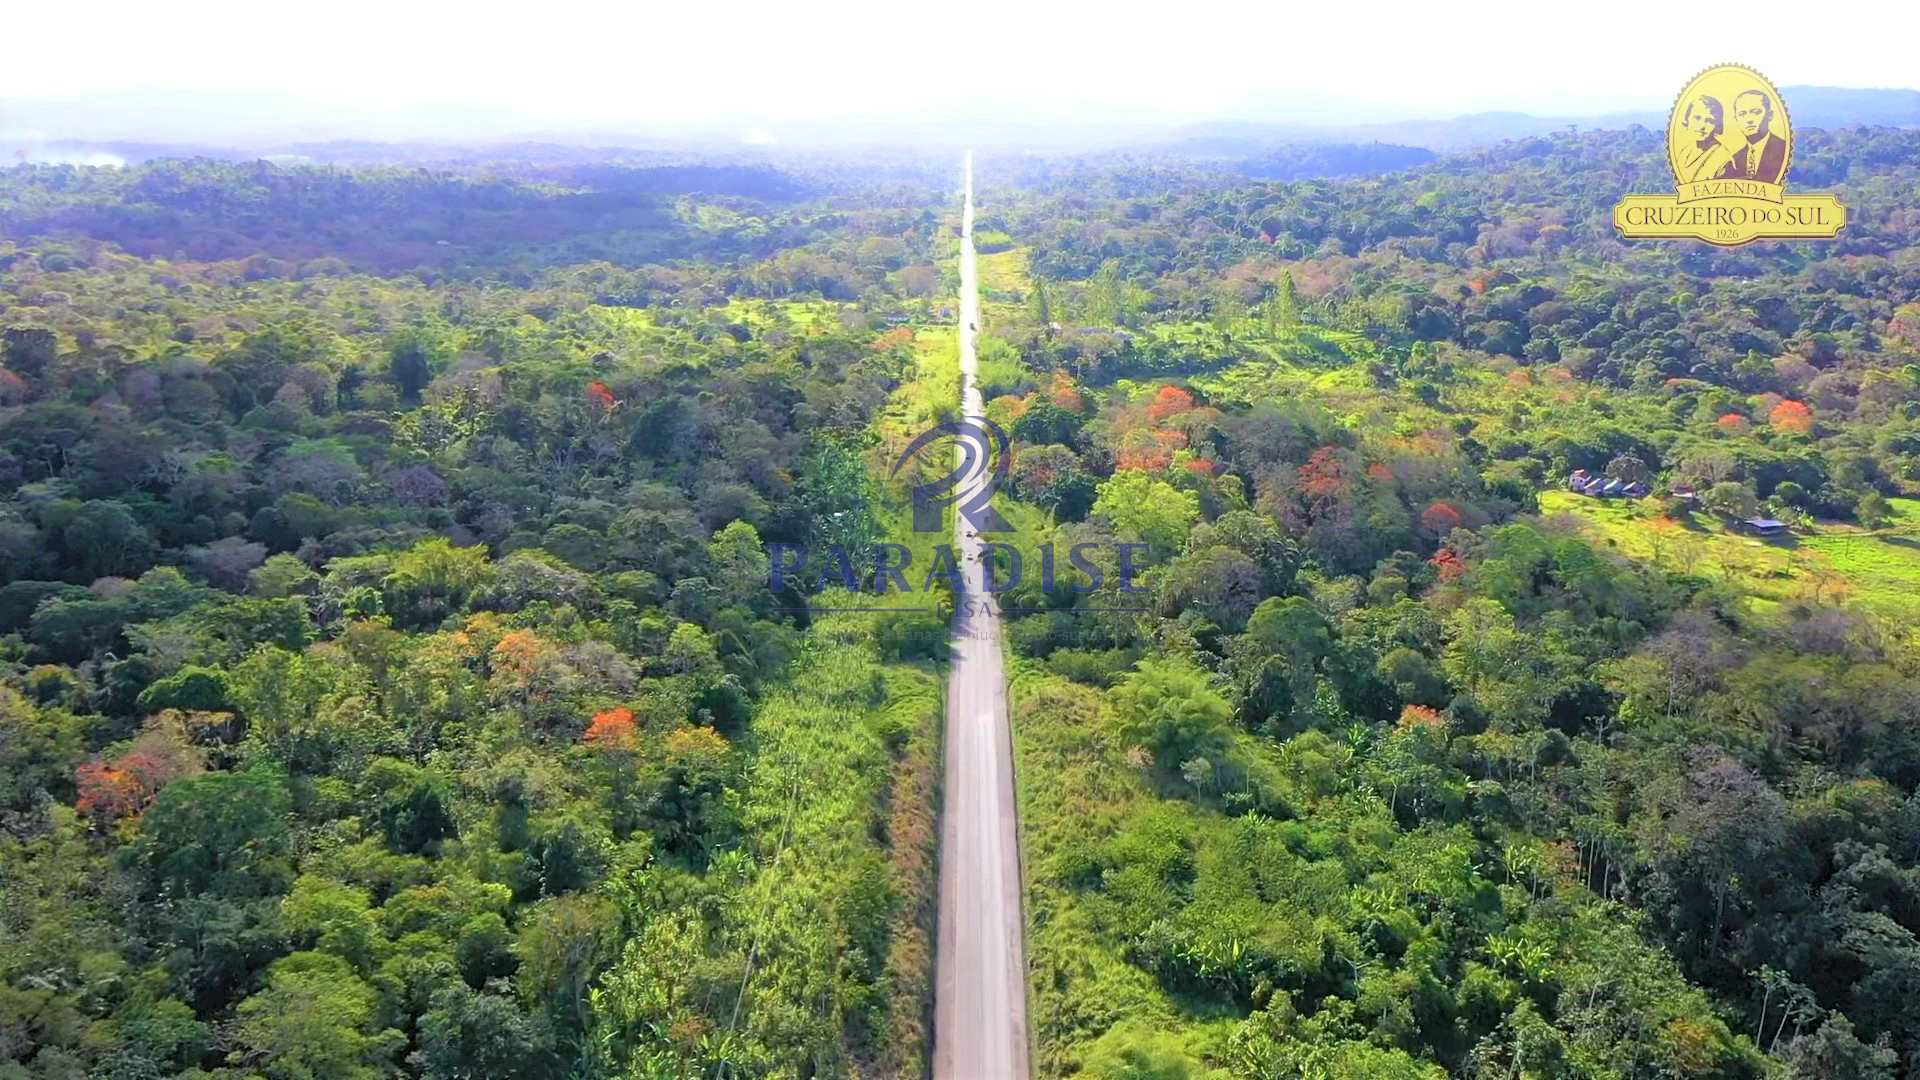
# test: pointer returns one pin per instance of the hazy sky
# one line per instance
(399, 68)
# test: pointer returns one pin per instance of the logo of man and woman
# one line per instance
(1748, 149)
(1730, 143)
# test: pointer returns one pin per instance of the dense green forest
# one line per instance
(1425, 765)
(390, 682)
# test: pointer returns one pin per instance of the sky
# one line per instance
(399, 69)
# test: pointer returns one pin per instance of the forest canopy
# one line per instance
(391, 681)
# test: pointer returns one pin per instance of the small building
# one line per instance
(1577, 480)
(1613, 488)
(1764, 526)
(1635, 490)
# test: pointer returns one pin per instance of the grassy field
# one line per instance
(636, 332)
(1877, 568)
(932, 391)
(802, 315)
(1003, 275)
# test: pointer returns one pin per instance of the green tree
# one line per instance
(334, 918)
(1292, 629)
(28, 350)
(211, 861)
(222, 834)
(314, 1021)
(472, 1036)
(1872, 509)
(195, 689)
(1283, 308)
(281, 575)
(1732, 499)
(104, 539)
(1147, 509)
(38, 751)
(410, 362)
(740, 563)
(1170, 707)
(1834, 1051)
(838, 495)
(1040, 306)
(433, 580)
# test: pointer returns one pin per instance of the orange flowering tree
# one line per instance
(1449, 564)
(1324, 476)
(1065, 395)
(523, 668)
(613, 729)
(1792, 417)
(1413, 716)
(1143, 451)
(112, 789)
(1170, 401)
(899, 337)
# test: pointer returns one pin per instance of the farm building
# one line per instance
(1584, 483)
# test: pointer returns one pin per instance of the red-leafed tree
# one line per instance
(1441, 518)
(1142, 459)
(1324, 476)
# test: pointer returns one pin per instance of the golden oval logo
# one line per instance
(1730, 144)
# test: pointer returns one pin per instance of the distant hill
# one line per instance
(1330, 160)
(1810, 106)
(1265, 148)
(1831, 107)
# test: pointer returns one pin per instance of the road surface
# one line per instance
(980, 995)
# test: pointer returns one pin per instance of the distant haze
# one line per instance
(228, 74)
